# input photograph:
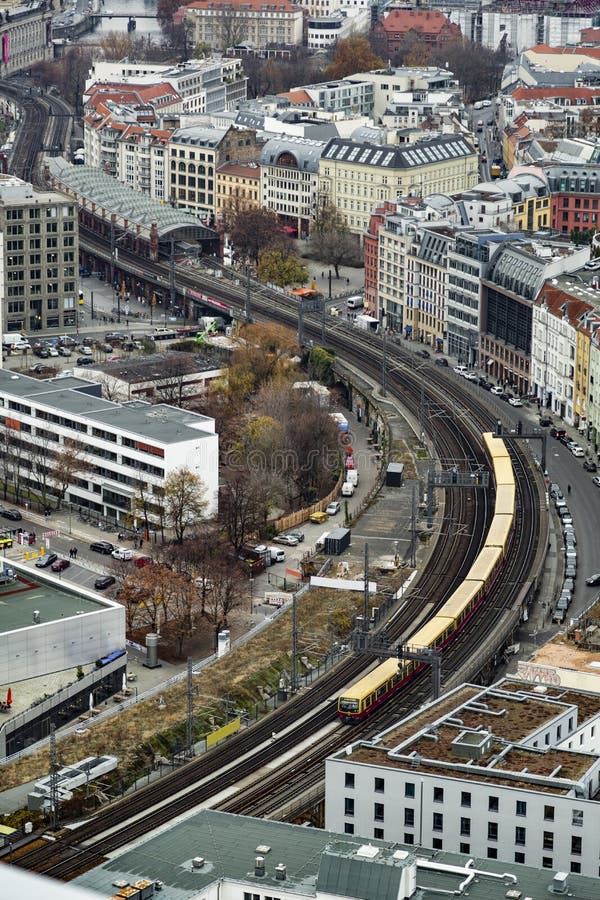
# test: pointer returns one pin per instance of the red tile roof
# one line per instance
(566, 93)
(424, 21)
(298, 98)
(254, 5)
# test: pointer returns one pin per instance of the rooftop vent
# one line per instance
(36, 617)
(280, 872)
(263, 849)
(259, 866)
(472, 744)
(560, 883)
(197, 862)
(367, 851)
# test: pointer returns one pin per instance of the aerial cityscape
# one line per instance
(299, 449)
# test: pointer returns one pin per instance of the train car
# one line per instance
(500, 531)
(373, 689)
(383, 681)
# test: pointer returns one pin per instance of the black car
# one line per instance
(85, 361)
(13, 514)
(564, 439)
(44, 561)
(102, 547)
(545, 421)
(424, 354)
(590, 466)
(105, 581)
(441, 361)
(557, 432)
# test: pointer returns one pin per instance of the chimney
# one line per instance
(259, 866)
(280, 872)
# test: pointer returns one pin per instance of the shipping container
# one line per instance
(337, 541)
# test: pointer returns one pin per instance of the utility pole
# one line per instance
(366, 591)
(294, 645)
(171, 278)
(247, 307)
(54, 779)
(190, 708)
(413, 528)
(384, 357)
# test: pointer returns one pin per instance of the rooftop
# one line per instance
(156, 366)
(21, 598)
(422, 153)
(315, 861)
(508, 715)
(159, 422)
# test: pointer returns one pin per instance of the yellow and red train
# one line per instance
(359, 700)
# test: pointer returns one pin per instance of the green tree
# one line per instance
(281, 268)
(320, 365)
(353, 54)
(184, 500)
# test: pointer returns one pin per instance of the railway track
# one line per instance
(457, 437)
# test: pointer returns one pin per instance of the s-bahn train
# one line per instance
(359, 700)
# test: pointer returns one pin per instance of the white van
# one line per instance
(347, 489)
(355, 302)
(352, 477)
(277, 555)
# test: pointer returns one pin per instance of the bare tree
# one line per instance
(170, 389)
(68, 462)
(331, 241)
(40, 459)
(184, 500)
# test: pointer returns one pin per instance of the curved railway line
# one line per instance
(457, 436)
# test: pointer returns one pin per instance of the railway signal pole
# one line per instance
(520, 434)
(380, 646)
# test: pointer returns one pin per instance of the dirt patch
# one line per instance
(245, 675)
(400, 453)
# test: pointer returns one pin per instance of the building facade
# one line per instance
(237, 187)
(509, 773)
(289, 180)
(41, 250)
(127, 450)
(575, 191)
(226, 23)
(25, 37)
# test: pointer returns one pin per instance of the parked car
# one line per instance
(299, 535)
(107, 348)
(555, 490)
(424, 354)
(286, 539)
(85, 361)
(44, 561)
(596, 480)
(85, 350)
(64, 351)
(559, 612)
(571, 571)
(460, 370)
(141, 561)
(557, 432)
(545, 421)
(13, 514)
(60, 565)
(568, 585)
(515, 401)
(122, 553)
(53, 351)
(590, 466)
(576, 450)
(566, 595)
(102, 547)
(105, 581)
(593, 580)
(563, 511)
(318, 517)
(564, 439)
(441, 361)
(567, 519)
(496, 389)
(471, 375)
(333, 508)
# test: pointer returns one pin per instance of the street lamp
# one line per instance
(251, 595)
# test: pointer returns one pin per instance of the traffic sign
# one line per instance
(49, 534)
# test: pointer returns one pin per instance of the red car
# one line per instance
(142, 561)
(60, 565)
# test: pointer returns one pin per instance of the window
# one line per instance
(409, 818)
(409, 789)
(493, 804)
(438, 822)
(575, 866)
(349, 828)
(379, 785)
(465, 826)
(547, 862)
(378, 834)
(519, 857)
(465, 798)
(348, 806)
(520, 833)
(576, 845)
(549, 813)
(492, 831)
(409, 838)
(378, 812)
(349, 780)
(548, 840)
(578, 818)
(492, 853)
(464, 848)
(438, 795)
(521, 808)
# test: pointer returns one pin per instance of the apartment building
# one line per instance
(419, 80)
(594, 389)
(356, 176)
(289, 180)
(237, 187)
(511, 285)
(40, 257)
(426, 311)
(226, 23)
(194, 154)
(352, 98)
(25, 37)
(129, 449)
(509, 773)
(430, 26)
(575, 190)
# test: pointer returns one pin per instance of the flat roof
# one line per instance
(511, 712)
(160, 422)
(19, 599)
(315, 861)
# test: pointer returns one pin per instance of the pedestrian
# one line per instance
(75, 552)
(70, 553)
(141, 543)
(568, 489)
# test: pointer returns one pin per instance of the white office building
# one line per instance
(509, 773)
(129, 449)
